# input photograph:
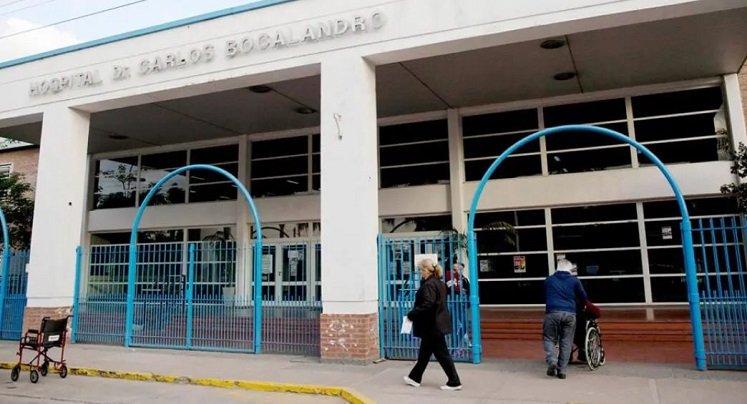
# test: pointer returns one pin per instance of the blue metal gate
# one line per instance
(720, 246)
(399, 280)
(199, 295)
(14, 301)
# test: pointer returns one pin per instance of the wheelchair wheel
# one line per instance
(44, 369)
(63, 371)
(15, 372)
(34, 376)
(594, 352)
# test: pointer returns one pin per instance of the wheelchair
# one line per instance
(51, 334)
(593, 345)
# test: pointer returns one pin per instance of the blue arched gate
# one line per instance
(686, 230)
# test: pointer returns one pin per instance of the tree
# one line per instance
(18, 206)
(738, 191)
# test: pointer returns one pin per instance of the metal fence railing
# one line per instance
(720, 244)
(14, 298)
(198, 295)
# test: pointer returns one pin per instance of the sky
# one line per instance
(23, 15)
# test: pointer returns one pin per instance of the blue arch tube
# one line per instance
(131, 273)
(686, 229)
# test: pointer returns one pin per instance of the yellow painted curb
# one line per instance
(346, 394)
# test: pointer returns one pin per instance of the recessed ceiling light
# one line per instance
(552, 44)
(261, 89)
(118, 137)
(305, 110)
(564, 76)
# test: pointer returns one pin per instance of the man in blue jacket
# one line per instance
(562, 291)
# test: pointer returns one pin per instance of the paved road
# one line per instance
(90, 390)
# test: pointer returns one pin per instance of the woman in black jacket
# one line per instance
(431, 323)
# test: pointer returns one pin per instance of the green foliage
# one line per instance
(18, 206)
(738, 191)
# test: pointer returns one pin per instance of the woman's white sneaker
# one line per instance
(411, 382)
(446, 387)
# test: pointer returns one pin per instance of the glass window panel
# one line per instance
(415, 153)
(614, 290)
(212, 192)
(115, 183)
(279, 186)
(415, 224)
(677, 102)
(515, 218)
(667, 260)
(316, 164)
(534, 239)
(315, 143)
(678, 127)
(595, 213)
(502, 266)
(595, 236)
(173, 191)
(413, 132)
(500, 122)
(669, 289)
(607, 263)
(280, 147)
(316, 183)
(493, 146)
(277, 167)
(695, 207)
(581, 139)
(213, 155)
(160, 236)
(203, 176)
(415, 175)
(512, 292)
(110, 238)
(160, 161)
(589, 160)
(691, 151)
(663, 232)
(586, 112)
(510, 168)
(268, 274)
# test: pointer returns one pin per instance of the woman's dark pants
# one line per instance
(435, 345)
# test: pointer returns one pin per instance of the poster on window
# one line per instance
(266, 264)
(485, 266)
(520, 264)
(666, 232)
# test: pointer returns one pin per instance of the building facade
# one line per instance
(346, 120)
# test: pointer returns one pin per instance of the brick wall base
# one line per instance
(32, 317)
(349, 338)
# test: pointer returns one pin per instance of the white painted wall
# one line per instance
(600, 187)
(412, 29)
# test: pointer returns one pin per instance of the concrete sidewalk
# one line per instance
(490, 382)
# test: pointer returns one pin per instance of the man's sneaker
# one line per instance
(411, 382)
(552, 370)
(446, 387)
(561, 376)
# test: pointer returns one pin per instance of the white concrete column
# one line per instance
(349, 186)
(456, 171)
(244, 220)
(60, 207)
(734, 110)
